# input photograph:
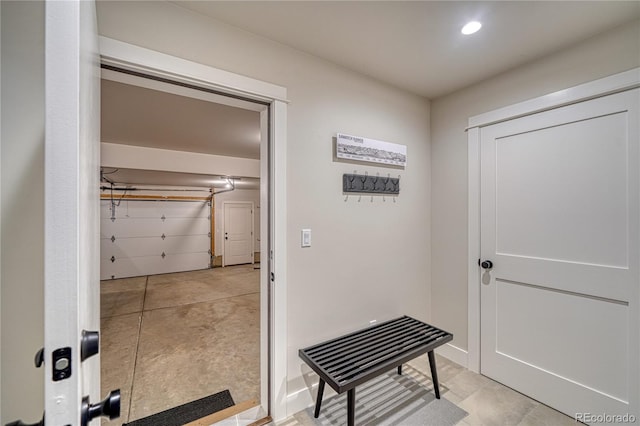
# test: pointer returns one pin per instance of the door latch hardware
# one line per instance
(61, 362)
(89, 344)
(109, 407)
(39, 359)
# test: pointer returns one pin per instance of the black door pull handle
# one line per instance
(109, 407)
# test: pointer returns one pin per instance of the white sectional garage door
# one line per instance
(154, 237)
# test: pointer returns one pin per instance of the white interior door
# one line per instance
(238, 233)
(559, 221)
(72, 106)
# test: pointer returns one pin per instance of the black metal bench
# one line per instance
(350, 360)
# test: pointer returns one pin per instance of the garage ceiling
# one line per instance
(139, 116)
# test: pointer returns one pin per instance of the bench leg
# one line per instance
(319, 398)
(400, 369)
(434, 374)
(351, 407)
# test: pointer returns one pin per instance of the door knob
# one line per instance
(109, 407)
(487, 264)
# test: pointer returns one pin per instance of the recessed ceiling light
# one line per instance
(471, 27)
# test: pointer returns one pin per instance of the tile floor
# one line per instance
(488, 403)
(173, 338)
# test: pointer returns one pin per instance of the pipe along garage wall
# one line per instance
(368, 260)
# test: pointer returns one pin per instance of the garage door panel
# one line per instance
(192, 209)
(186, 226)
(131, 227)
(153, 265)
(141, 227)
(151, 246)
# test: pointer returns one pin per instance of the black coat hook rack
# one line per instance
(355, 183)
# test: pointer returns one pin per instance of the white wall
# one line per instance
(368, 260)
(606, 54)
(138, 157)
(22, 215)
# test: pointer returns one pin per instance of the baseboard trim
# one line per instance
(454, 353)
(224, 414)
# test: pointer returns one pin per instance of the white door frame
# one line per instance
(224, 227)
(274, 278)
(601, 87)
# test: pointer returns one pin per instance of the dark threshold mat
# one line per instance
(188, 412)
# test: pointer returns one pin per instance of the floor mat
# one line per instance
(188, 412)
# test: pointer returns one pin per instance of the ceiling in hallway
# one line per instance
(417, 45)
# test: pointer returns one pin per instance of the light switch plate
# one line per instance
(306, 238)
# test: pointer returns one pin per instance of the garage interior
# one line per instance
(180, 252)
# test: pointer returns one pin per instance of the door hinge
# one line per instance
(273, 277)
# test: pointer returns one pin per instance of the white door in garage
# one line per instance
(559, 220)
(143, 237)
(238, 233)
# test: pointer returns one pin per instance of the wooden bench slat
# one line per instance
(354, 337)
(357, 371)
(366, 353)
(368, 358)
(379, 341)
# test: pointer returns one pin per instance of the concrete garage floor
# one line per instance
(174, 338)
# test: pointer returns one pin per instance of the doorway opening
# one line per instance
(178, 324)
